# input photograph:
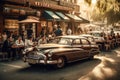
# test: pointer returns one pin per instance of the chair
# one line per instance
(107, 47)
(3, 56)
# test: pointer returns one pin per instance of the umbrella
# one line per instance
(91, 25)
(29, 21)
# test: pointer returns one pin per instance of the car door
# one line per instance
(86, 45)
(77, 44)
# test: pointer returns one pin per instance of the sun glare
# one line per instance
(101, 71)
(94, 1)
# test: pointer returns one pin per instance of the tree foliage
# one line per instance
(109, 9)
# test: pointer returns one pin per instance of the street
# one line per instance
(104, 66)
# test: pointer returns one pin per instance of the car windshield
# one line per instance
(65, 41)
(96, 34)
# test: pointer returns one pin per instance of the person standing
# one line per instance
(58, 31)
(7, 47)
(4, 36)
(29, 32)
(112, 32)
(69, 31)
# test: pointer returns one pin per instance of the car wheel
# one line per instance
(31, 64)
(91, 57)
(61, 62)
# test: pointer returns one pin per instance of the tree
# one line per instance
(109, 9)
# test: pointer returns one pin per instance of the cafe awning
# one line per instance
(84, 20)
(74, 17)
(62, 16)
(49, 15)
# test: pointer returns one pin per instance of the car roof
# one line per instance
(95, 31)
(72, 36)
(86, 35)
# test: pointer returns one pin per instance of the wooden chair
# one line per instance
(107, 47)
(3, 56)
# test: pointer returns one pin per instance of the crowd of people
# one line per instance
(111, 40)
(13, 43)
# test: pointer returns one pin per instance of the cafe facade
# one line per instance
(49, 13)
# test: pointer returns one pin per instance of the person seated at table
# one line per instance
(42, 40)
(18, 46)
(29, 42)
(7, 47)
(19, 41)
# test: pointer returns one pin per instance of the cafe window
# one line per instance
(50, 28)
(11, 23)
(6, 9)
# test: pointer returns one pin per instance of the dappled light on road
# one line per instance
(102, 71)
(118, 53)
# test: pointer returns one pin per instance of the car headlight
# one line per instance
(49, 54)
(24, 51)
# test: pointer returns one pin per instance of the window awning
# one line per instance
(49, 15)
(62, 16)
(74, 17)
(84, 20)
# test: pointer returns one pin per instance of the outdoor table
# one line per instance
(17, 46)
(17, 49)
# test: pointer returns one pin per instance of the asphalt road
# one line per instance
(105, 66)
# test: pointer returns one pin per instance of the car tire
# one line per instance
(31, 64)
(91, 57)
(61, 62)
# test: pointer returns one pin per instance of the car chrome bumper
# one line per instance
(36, 61)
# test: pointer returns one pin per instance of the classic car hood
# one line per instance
(50, 46)
(56, 50)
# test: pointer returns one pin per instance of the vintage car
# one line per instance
(66, 50)
(97, 35)
(89, 37)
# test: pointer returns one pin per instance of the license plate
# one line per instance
(32, 61)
